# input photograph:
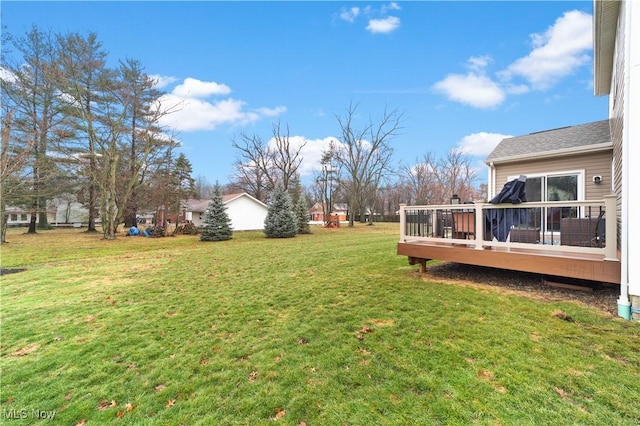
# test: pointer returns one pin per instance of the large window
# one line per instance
(567, 186)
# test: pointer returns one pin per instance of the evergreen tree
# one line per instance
(302, 215)
(281, 220)
(216, 224)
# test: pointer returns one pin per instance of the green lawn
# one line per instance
(325, 329)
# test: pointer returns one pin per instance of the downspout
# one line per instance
(624, 304)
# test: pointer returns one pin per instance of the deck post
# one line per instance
(403, 222)
(611, 227)
(479, 227)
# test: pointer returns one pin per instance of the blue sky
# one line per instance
(463, 74)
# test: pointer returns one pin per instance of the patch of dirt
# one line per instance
(5, 271)
(604, 297)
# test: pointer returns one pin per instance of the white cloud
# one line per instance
(163, 80)
(557, 52)
(379, 21)
(472, 89)
(193, 111)
(350, 15)
(479, 63)
(480, 144)
(7, 76)
(386, 25)
(391, 6)
(194, 88)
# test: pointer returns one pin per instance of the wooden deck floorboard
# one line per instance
(585, 266)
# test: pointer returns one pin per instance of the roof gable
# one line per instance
(571, 139)
(198, 205)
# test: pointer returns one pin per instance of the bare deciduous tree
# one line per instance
(13, 172)
(435, 181)
(260, 165)
(365, 156)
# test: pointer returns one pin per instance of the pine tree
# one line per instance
(216, 224)
(302, 215)
(281, 221)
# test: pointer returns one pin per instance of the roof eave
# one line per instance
(605, 21)
(607, 146)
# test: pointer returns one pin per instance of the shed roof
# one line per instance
(199, 205)
(561, 141)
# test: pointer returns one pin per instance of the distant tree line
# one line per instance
(74, 129)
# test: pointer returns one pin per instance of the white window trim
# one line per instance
(581, 182)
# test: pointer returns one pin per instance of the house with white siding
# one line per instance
(245, 212)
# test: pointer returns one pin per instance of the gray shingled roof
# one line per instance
(549, 141)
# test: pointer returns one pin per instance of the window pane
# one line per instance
(533, 188)
(561, 188)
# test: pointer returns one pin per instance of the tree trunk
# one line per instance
(32, 223)
(43, 220)
(3, 224)
(91, 227)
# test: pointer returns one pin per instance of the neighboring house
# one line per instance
(570, 163)
(576, 170)
(68, 212)
(245, 212)
(60, 212)
(17, 216)
(339, 212)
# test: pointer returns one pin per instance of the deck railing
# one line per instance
(568, 226)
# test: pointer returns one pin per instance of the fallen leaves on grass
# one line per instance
(280, 414)
(364, 330)
(203, 361)
(104, 404)
(170, 403)
(160, 387)
(302, 341)
(253, 376)
(562, 315)
(82, 422)
(127, 408)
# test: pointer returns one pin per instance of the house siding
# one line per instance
(616, 106)
(594, 164)
(246, 214)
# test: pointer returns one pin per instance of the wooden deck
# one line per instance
(586, 266)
